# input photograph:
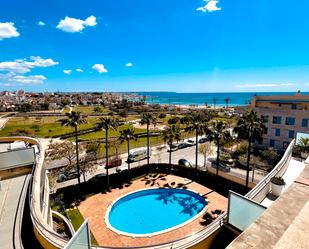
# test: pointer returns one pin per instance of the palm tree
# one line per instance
(250, 126)
(218, 133)
(74, 119)
(227, 101)
(106, 124)
(148, 119)
(127, 135)
(170, 134)
(214, 100)
(196, 122)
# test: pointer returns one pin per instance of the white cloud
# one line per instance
(67, 71)
(21, 80)
(91, 21)
(263, 85)
(40, 62)
(73, 25)
(22, 66)
(99, 68)
(14, 71)
(7, 30)
(211, 5)
(129, 64)
(79, 70)
(14, 66)
(29, 80)
(41, 23)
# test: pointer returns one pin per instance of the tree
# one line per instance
(60, 150)
(196, 122)
(74, 119)
(170, 134)
(97, 109)
(148, 119)
(93, 147)
(227, 101)
(214, 100)
(106, 124)
(219, 134)
(303, 144)
(270, 156)
(206, 149)
(88, 165)
(250, 127)
(26, 107)
(127, 135)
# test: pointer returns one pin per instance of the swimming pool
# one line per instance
(153, 211)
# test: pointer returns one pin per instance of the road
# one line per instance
(162, 156)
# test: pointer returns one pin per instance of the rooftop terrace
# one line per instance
(285, 224)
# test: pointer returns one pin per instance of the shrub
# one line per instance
(270, 156)
(162, 115)
(35, 127)
(277, 180)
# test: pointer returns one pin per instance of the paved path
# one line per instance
(10, 192)
(3, 122)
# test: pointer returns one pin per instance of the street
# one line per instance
(160, 155)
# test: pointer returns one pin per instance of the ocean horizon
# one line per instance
(200, 99)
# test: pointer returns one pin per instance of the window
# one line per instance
(272, 143)
(304, 122)
(276, 120)
(289, 121)
(291, 134)
(264, 119)
(265, 130)
(277, 132)
(294, 107)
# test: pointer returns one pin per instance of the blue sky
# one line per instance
(162, 45)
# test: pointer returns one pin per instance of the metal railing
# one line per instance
(185, 242)
(35, 210)
(260, 191)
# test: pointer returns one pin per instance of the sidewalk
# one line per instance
(9, 198)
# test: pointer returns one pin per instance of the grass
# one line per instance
(41, 127)
(77, 220)
(89, 109)
(111, 133)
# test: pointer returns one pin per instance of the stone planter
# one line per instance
(276, 189)
(304, 155)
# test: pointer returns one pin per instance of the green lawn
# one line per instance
(111, 133)
(77, 220)
(41, 127)
(89, 109)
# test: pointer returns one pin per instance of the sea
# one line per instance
(201, 99)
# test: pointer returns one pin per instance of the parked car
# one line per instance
(138, 154)
(173, 147)
(62, 177)
(242, 166)
(183, 145)
(113, 162)
(190, 142)
(184, 162)
(222, 167)
(203, 140)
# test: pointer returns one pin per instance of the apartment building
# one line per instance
(284, 116)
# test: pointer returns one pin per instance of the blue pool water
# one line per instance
(154, 210)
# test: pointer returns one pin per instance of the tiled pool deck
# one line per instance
(94, 208)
